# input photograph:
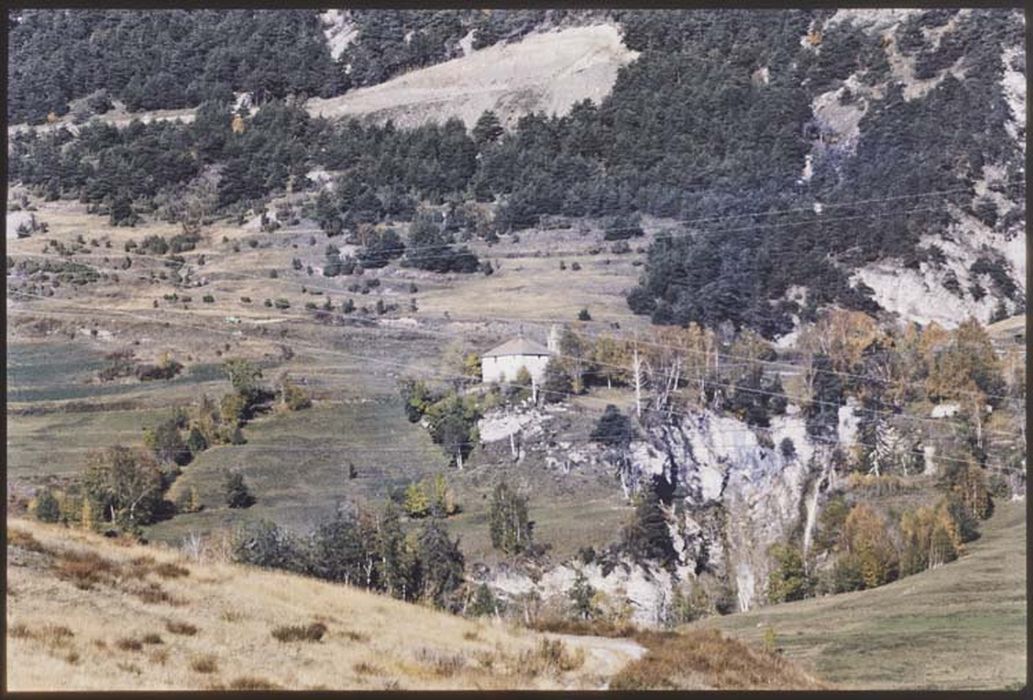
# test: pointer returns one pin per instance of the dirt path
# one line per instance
(607, 654)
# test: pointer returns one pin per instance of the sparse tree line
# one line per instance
(365, 549)
(906, 372)
(125, 487)
(859, 546)
(374, 549)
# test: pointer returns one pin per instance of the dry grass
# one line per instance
(153, 593)
(230, 616)
(23, 539)
(550, 656)
(366, 669)
(706, 659)
(230, 611)
(441, 663)
(85, 569)
(595, 628)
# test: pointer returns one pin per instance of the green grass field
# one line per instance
(959, 627)
(297, 465)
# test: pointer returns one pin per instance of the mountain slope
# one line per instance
(960, 626)
(547, 72)
(189, 624)
(370, 641)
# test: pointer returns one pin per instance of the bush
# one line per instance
(266, 545)
(237, 493)
(613, 428)
(485, 603)
(300, 633)
(182, 628)
(204, 664)
(789, 579)
(47, 507)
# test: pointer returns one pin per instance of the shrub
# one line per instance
(252, 683)
(550, 656)
(182, 628)
(581, 594)
(484, 603)
(129, 644)
(204, 664)
(613, 428)
(47, 508)
(300, 633)
(583, 315)
(237, 493)
(789, 579)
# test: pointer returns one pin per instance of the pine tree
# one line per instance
(484, 602)
(398, 562)
(487, 129)
(237, 493)
(442, 563)
(648, 536)
(789, 580)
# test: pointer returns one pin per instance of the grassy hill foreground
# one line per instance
(89, 613)
(959, 626)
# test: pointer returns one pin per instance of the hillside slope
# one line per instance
(960, 626)
(371, 641)
(188, 624)
(546, 72)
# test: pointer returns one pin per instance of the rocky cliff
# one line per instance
(734, 491)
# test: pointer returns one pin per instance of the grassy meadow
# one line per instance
(961, 626)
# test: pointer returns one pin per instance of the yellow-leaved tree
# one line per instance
(867, 539)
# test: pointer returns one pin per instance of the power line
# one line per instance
(179, 265)
(440, 375)
(726, 356)
(737, 387)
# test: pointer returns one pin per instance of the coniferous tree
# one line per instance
(648, 536)
(237, 493)
(441, 562)
(400, 567)
(47, 508)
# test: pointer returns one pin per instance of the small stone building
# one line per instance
(503, 363)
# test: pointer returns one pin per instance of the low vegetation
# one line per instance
(708, 659)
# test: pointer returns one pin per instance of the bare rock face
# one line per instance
(734, 491)
(720, 462)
